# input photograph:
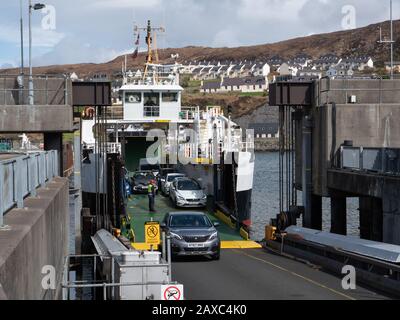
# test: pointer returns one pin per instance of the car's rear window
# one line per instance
(190, 221)
(188, 185)
(174, 176)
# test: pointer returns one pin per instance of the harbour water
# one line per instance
(265, 201)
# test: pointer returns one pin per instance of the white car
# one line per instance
(185, 192)
(169, 178)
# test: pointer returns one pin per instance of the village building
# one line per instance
(265, 130)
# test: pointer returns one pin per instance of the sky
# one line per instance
(77, 31)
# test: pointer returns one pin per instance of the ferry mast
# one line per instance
(151, 42)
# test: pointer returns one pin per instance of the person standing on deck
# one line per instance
(151, 190)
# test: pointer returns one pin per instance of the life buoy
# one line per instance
(89, 113)
(132, 99)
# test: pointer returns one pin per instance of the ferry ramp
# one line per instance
(138, 210)
(245, 270)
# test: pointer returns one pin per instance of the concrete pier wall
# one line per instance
(37, 237)
(368, 125)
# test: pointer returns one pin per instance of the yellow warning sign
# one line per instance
(152, 233)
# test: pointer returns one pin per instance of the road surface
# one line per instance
(256, 274)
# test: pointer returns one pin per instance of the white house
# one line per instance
(261, 69)
(288, 70)
(310, 73)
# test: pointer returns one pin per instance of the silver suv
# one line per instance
(192, 234)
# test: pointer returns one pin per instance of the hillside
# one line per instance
(361, 41)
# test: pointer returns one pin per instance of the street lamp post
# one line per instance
(37, 6)
(21, 80)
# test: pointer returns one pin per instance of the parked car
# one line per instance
(168, 180)
(192, 234)
(162, 174)
(141, 180)
(185, 192)
(146, 165)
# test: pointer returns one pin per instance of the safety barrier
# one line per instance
(22, 174)
(377, 160)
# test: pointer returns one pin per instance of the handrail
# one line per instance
(21, 175)
(16, 93)
(384, 161)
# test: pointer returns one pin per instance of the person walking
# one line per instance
(151, 190)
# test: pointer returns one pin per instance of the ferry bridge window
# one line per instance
(133, 97)
(151, 104)
(170, 97)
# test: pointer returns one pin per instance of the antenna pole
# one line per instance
(391, 41)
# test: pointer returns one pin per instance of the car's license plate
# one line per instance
(196, 245)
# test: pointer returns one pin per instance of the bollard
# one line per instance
(169, 258)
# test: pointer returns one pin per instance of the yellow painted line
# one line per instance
(224, 245)
(240, 245)
(297, 275)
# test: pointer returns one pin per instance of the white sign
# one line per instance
(172, 292)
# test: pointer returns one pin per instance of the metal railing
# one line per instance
(47, 89)
(188, 113)
(109, 147)
(375, 160)
(22, 174)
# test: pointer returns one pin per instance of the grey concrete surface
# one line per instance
(258, 275)
(47, 90)
(367, 91)
(37, 237)
(370, 185)
(37, 118)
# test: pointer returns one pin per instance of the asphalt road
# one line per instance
(259, 275)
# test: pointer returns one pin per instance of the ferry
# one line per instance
(201, 142)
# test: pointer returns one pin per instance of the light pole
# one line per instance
(37, 6)
(21, 80)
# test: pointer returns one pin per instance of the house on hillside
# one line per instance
(265, 130)
(275, 61)
(302, 60)
(244, 85)
(261, 69)
(210, 86)
(73, 76)
(358, 63)
(339, 71)
(225, 71)
(309, 73)
(326, 61)
(237, 70)
(247, 84)
(287, 69)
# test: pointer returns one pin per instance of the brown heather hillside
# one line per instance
(361, 41)
(241, 105)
